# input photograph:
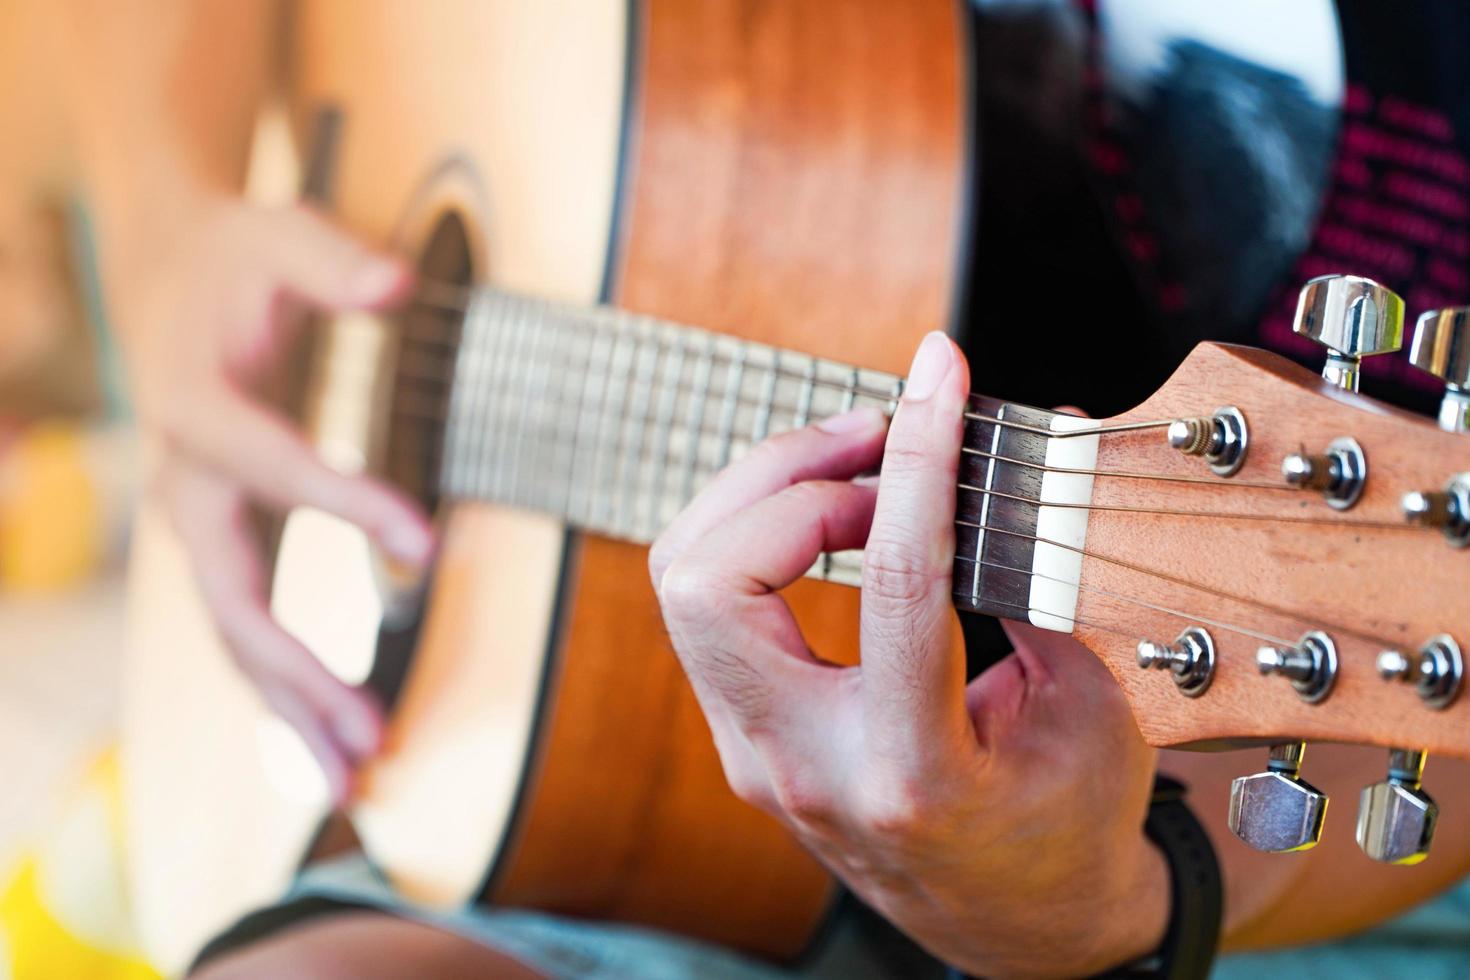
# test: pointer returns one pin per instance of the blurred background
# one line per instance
(67, 480)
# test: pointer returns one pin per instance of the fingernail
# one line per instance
(375, 280)
(408, 543)
(856, 420)
(931, 364)
(358, 733)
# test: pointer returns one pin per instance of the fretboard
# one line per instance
(613, 421)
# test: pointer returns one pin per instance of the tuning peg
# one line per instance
(1311, 665)
(1340, 473)
(1437, 673)
(1396, 817)
(1353, 318)
(1442, 347)
(1277, 810)
(1190, 658)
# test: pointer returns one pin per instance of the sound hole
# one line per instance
(428, 343)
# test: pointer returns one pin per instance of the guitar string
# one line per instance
(698, 435)
(772, 369)
(889, 398)
(1081, 587)
(1185, 583)
(577, 321)
(1211, 515)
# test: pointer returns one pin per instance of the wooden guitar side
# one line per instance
(795, 177)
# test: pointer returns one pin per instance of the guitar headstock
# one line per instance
(1262, 555)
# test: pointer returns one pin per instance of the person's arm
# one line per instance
(1000, 822)
(202, 284)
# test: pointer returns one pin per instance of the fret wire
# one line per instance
(525, 407)
(567, 460)
(734, 379)
(645, 367)
(851, 393)
(764, 402)
(500, 334)
(608, 454)
(804, 398)
(985, 504)
(669, 398)
(597, 384)
(490, 361)
(695, 439)
(511, 374)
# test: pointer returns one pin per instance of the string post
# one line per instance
(1311, 665)
(1340, 473)
(1437, 672)
(1221, 438)
(1447, 509)
(1190, 658)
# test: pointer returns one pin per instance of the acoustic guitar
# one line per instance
(575, 181)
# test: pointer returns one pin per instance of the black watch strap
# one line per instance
(1197, 897)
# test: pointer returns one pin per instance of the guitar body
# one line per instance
(789, 172)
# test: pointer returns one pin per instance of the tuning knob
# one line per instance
(1353, 318)
(1277, 810)
(1396, 817)
(1442, 347)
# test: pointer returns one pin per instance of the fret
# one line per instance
(698, 399)
(734, 379)
(570, 400)
(551, 409)
(850, 394)
(603, 498)
(491, 331)
(766, 401)
(589, 418)
(527, 409)
(465, 389)
(804, 399)
(645, 365)
(663, 426)
(503, 399)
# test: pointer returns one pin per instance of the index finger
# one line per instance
(913, 674)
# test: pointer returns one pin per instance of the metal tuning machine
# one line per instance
(1442, 348)
(1222, 439)
(1353, 318)
(1311, 665)
(1396, 817)
(1277, 810)
(1190, 659)
(1437, 673)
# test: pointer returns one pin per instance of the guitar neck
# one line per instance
(613, 421)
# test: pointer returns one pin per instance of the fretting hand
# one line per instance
(999, 823)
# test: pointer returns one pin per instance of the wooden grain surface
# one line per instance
(1360, 575)
(795, 179)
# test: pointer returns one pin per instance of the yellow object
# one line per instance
(51, 533)
(64, 911)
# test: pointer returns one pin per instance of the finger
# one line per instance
(913, 675)
(339, 722)
(835, 448)
(252, 446)
(734, 633)
(317, 261)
